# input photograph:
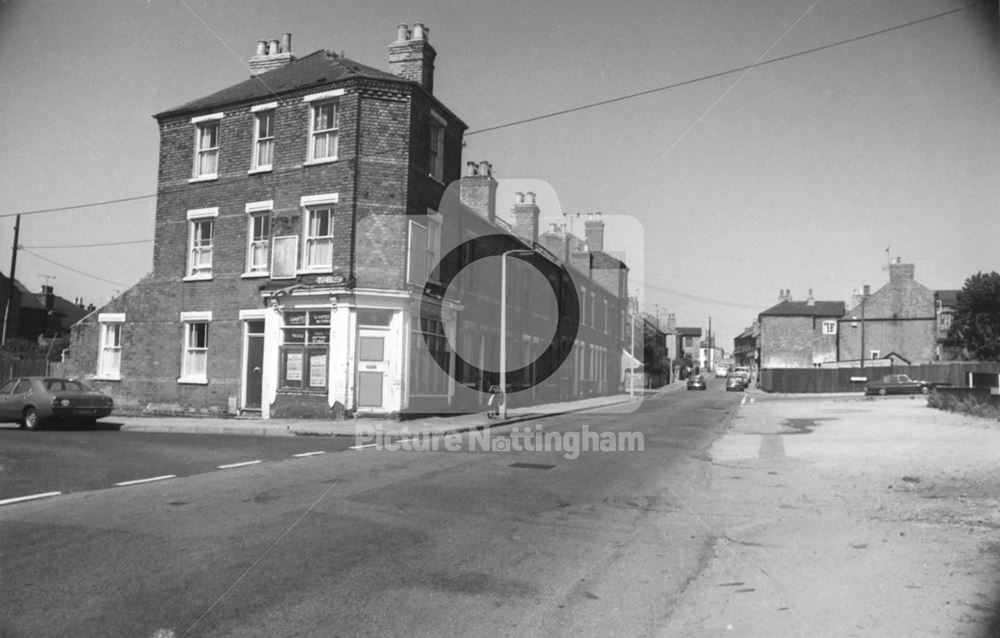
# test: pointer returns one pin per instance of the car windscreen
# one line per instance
(55, 385)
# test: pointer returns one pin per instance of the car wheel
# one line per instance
(924, 389)
(31, 419)
(881, 392)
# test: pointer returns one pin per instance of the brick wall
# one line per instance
(795, 342)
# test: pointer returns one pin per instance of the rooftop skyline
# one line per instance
(865, 132)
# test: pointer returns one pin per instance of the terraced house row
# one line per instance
(312, 224)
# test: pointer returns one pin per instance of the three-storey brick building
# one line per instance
(299, 221)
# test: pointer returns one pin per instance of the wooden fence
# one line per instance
(10, 368)
(807, 380)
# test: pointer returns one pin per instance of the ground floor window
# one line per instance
(426, 376)
(195, 364)
(305, 350)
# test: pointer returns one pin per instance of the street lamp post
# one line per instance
(503, 327)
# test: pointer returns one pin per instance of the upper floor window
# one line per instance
(319, 238)
(258, 238)
(829, 327)
(324, 131)
(436, 157)
(206, 155)
(424, 250)
(263, 145)
(201, 237)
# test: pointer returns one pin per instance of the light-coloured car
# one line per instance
(32, 401)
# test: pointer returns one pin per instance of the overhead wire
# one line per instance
(596, 104)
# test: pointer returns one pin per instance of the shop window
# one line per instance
(305, 350)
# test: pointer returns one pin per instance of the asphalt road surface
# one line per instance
(473, 539)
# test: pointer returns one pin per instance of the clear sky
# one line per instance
(798, 174)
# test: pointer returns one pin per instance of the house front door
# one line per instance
(253, 377)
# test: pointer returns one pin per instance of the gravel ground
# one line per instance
(847, 517)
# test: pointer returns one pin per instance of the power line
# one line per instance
(591, 105)
(111, 243)
(75, 206)
(719, 74)
(79, 272)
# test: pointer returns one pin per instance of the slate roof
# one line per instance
(804, 309)
(316, 69)
(947, 297)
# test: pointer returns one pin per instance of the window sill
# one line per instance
(255, 275)
(198, 278)
(262, 169)
(107, 377)
(193, 380)
(204, 178)
(325, 160)
(314, 271)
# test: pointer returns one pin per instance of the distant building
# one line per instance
(945, 305)
(900, 321)
(799, 334)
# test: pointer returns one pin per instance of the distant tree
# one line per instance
(975, 326)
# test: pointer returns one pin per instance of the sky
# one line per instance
(808, 173)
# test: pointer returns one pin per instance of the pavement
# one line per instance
(846, 516)
(389, 427)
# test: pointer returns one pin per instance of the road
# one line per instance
(368, 542)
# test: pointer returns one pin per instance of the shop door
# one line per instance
(372, 369)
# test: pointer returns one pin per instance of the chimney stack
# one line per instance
(785, 294)
(478, 190)
(899, 271)
(810, 301)
(594, 230)
(272, 54)
(411, 56)
(525, 214)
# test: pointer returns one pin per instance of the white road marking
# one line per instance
(308, 454)
(361, 447)
(147, 480)
(243, 464)
(32, 497)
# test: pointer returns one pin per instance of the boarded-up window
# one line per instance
(285, 256)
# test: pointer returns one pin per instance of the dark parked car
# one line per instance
(697, 382)
(898, 384)
(737, 384)
(31, 401)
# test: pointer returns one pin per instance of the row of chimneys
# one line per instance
(478, 191)
(411, 56)
(898, 271)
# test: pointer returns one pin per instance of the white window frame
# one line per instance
(261, 112)
(436, 134)
(431, 226)
(317, 102)
(255, 211)
(110, 323)
(312, 204)
(191, 371)
(829, 327)
(202, 123)
(196, 220)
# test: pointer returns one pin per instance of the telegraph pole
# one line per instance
(11, 287)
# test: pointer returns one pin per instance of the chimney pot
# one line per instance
(485, 168)
(868, 290)
(272, 47)
(402, 32)
(531, 198)
(518, 198)
(420, 32)
(261, 47)
(286, 43)
(472, 168)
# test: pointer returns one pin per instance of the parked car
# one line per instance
(32, 401)
(742, 372)
(898, 384)
(696, 382)
(737, 384)
(721, 371)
